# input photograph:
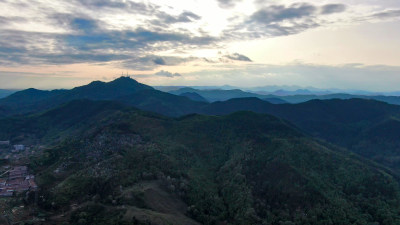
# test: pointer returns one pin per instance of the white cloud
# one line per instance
(176, 35)
(164, 73)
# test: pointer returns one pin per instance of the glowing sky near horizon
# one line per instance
(352, 44)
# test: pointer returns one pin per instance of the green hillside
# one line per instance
(366, 127)
(347, 123)
(243, 168)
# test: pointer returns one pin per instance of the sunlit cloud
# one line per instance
(179, 36)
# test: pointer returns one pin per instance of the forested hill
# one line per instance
(243, 168)
(215, 94)
(4, 92)
(123, 89)
(128, 91)
(367, 127)
(59, 123)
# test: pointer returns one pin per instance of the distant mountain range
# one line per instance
(213, 95)
(4, 93)
(299, 96)
(193, 96)
(282, 90)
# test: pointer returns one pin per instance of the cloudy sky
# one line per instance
(349, 44)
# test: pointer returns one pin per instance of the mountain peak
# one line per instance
(124, 79)
(120, 86)
(125, 82)
(28, 92)
(95, 83)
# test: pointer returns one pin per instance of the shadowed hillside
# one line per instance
(348, 123)
(194, 96)
(243, 168)
(123, 89)
(293, 98)
(4, 93)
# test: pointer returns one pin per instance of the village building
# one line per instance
(18, 172)
(18, 181)
(6, 193)
(4, 142)
(19, 147)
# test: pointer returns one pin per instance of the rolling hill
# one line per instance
(304, 98)
(57, 124)
(4, 92)
(217, 94)
(242, 168)
(347, 123)
(194, 96)
(223, 95)
(123, 89)
(353, 124)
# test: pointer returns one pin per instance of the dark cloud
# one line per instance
(238, 57)
(190, 15)
(278, 13)
(139, 39)
(159, 61)
(86, 25)
(227, 3)
(281, 20)
(151, 62)
(77, 22)
(333, 8)
(91, 43)
(89, 39)
(137, 7)
(92, 36)
(107, 4)
(33, 74)
(164, 73)
(166, 19)
(66, 58)
(274, 30)
(21, 47)
(11, 19)
(256, 30)
(387, 14)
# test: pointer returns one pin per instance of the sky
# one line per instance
(346, 44)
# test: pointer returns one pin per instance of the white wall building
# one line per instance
(19, 147)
